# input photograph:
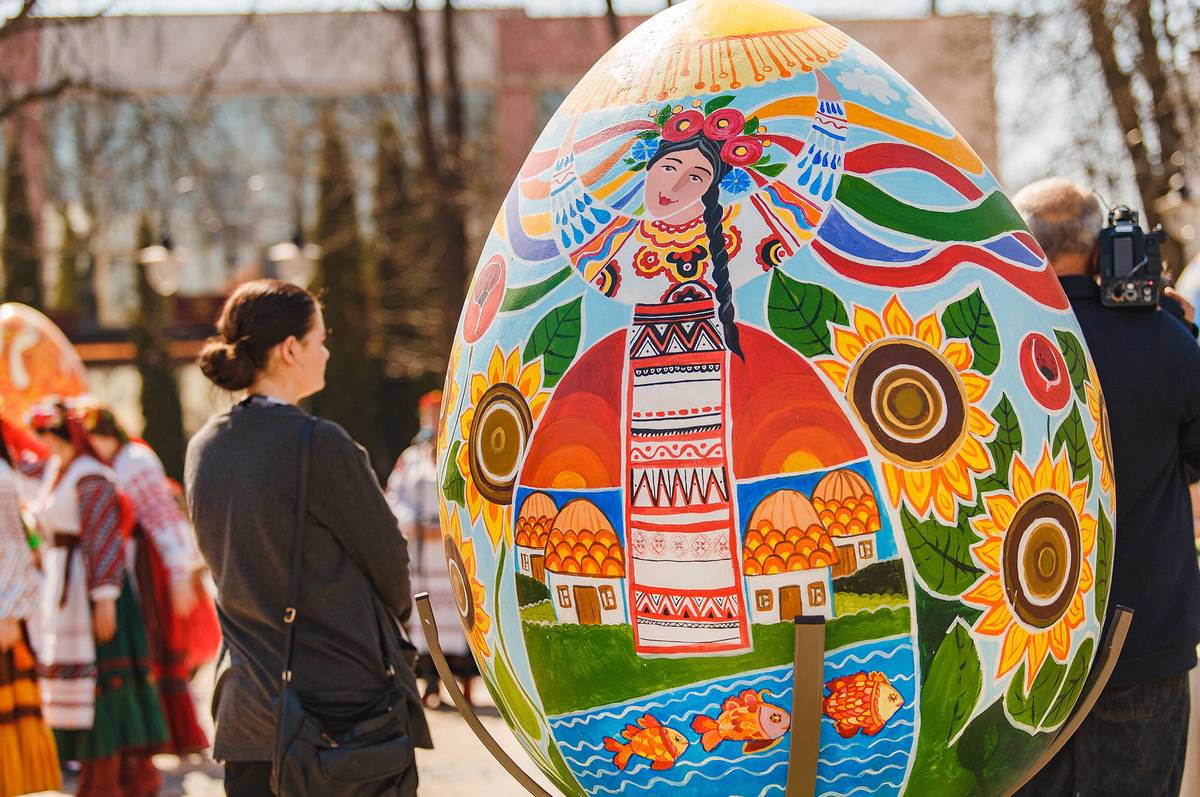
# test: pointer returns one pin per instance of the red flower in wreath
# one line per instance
(724, 124)
(683, 125)
(742, 151)
(1045, 371)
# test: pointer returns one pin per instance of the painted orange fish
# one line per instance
(745, 718)
(650, 739)
(861, 702)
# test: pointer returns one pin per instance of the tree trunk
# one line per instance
(1120, 90)
(614, 24)
(18, 248)
(425, 130)
(162, 408)
(455, 268)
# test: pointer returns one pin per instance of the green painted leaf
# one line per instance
(1073, 353)
(1030, 709)
(518, 705)
(717, 103)
(970, 318)
(800, 314)
(993, 216)
(1073, 436)
(1006, 442)
(942, 554)
(454, 486)
(751, 126)
(763, 161)
(529, 295)
(637, 167)
(952, 687)
(1104, 556)
(664, 113)
(649, 135)
(556, 340)
(1072, 686)
(771, 169)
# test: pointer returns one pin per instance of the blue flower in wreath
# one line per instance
(643, 149)
(736, 182)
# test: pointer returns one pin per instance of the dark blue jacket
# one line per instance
(1149, 369)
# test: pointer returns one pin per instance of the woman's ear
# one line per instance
(287, 350)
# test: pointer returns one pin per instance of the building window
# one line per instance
(564, 596)
(524, 561)
(866, 549)
(816, 594)
(608, 598)
(763, 600)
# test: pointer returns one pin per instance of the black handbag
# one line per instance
(337, 743)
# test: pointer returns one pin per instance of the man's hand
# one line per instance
(1189, 312)
(104, 620)
(10, 635)
(183, 596)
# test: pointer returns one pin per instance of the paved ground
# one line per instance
(460, 767)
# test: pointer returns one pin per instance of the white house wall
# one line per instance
(798, 578)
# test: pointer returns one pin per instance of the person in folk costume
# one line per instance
(28, 760)
(412, 494)
(165, 561)
(99, 695)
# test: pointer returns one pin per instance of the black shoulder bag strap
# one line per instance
(289, 614)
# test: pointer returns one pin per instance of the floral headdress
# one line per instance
(742, 140)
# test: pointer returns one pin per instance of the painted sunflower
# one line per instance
(450, 397)
(504, 404)
(917, 398)
(469, 593)
(1037, 540)
(1102, 438)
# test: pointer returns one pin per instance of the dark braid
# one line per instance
(715, 228)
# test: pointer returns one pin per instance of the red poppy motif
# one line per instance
(1045, 371)
(724, 124)
(742, 151)
(487, 291)
(683, 125)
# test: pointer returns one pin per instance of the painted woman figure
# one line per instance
(99, 692)
(165, 562)
(28, 761)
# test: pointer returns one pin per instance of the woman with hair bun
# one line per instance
(243, 494)
(99, 694)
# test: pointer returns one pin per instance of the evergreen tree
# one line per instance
(350, 394)
(69, 296)
(410, 306)
(18, 249)
(151, 336)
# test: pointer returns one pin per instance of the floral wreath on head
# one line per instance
(742, 140)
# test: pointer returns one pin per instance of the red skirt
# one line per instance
(167, 638)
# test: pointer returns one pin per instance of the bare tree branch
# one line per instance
(614, 24)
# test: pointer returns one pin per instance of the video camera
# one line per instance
(1130, 261)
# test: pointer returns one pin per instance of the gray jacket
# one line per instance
(241, 477)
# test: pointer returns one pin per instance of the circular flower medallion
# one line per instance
(499, 432)
(683, 125)
(1045, 371)
(910, 400)
(1041, 559)
(459, 584)
(724, 124)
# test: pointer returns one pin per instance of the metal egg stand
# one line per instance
(808, 686)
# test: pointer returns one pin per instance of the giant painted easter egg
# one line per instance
(36, 360)
(757, 335)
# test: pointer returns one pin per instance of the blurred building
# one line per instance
(207, 124)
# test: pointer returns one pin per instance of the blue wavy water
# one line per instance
(861, 765)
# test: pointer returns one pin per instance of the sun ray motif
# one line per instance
(1038, 540)
(918, 397)
(469, 592)
(505, 401)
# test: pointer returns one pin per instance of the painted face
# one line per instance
(675, 184)
(678, 741)
(887, 701)
(774, 721)
(312, 357)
